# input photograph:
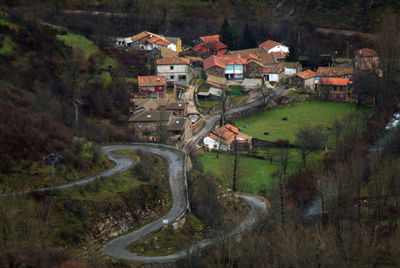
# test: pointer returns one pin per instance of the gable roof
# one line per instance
(288, 64)
(307, 74)
(176, 124)
(176, 106)
(366, 52)
(166, 52)
(334, 81)
(227, 134)
(280, 55)
(151, 116)
(153, 38)
(153, 80)
(270, 44)
(222, 60)
(173, 61)
(334, 71)
(143, 102)
(211, 47)
(209, 38)
(267, 58)
(273, 69)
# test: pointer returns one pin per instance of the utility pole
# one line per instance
(53, 159)
(76, 104)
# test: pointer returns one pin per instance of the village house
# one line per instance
(223, 138)
(143, 104)
(148, 41)
(176, 70)
(211, 44)
(291, 68)
(254, 65)
(271, 46)
(177, 108)
(268, 59)
(230, 66)
(274, 73)
(333, 72)
(153, 86)
(175, 41)
(304, 80)
(338, 89)
(366, 59)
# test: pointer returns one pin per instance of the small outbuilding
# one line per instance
(251, 83)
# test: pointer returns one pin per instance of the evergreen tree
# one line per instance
(248, 39)
(293, 55)
(226, 34)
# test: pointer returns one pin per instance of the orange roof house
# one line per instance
(173, 61)
(226, 135)
(334, 71)
(211, 44)
(338, 89)
(153, 80)
(307, 74)
(335, 81)
(272, 46)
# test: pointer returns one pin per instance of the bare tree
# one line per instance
(310, 139)
(235, 166)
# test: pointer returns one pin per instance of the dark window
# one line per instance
(171, 67)
(171, 77)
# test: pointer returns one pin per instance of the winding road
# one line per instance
(176, 160)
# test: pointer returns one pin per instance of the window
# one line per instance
(341, 96)
(182, 77)
(171, 67)
(171, 77)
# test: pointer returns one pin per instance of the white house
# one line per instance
(175, 69)
(232, 67)
(271, 46)
(223, 137)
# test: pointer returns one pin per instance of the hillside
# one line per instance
(42, 69)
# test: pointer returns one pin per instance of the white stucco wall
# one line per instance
(178, 70)
(172, 47)
(290, 71)
(309, 83)
(272, 77)
(279, 48)
(213, 144)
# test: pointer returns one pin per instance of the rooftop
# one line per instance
(151, 116)
(172, 61)
(334, 71)
(307, 74)
(366, 52)
(153, 80)
(270, 44)
(335, 81)
(222, 60)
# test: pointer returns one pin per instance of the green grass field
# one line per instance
(255, 174)
(312, 112)
(209, 103)
(78, 41)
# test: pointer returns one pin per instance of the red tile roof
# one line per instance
(270, 44)
(227, 134)
(307, 74)
(210, 38)
(280, 55)
(158, 40)
(141, 35)
(334, 81)
(273, 69)
(150, 81)
(267, 58)
(366, 52)
(334, 71)
(173, 61)
(222, 60)
(211, 47)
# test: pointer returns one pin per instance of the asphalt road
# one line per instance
(210, 121)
